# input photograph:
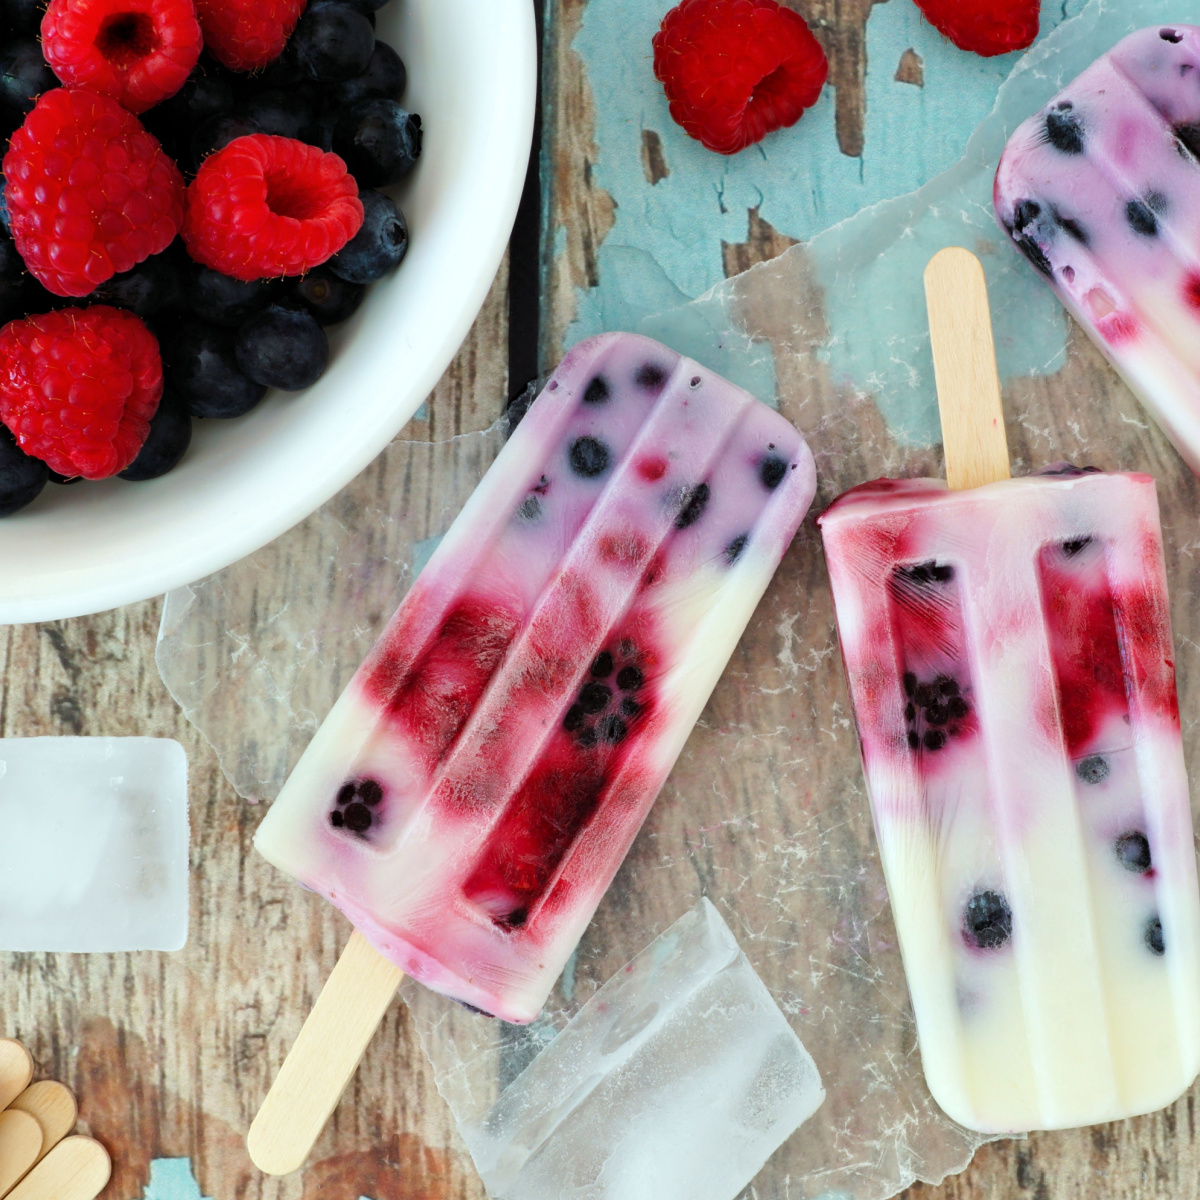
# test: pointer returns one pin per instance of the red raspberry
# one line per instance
(136, 51)
(90, 193)
(988, 27)
(247, 34)
(78, 388)
(735, 70)
(267, 206)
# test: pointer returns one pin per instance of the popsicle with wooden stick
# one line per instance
(1009, 654)
(474, 790)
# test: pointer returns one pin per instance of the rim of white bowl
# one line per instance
(65, 558)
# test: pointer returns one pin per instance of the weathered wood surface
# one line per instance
(171, 1054)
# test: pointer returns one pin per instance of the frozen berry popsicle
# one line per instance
(1101, 192)
(1008, 648)
(474, 790)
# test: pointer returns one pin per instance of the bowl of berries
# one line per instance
(242, 240)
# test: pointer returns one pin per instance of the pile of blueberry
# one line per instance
(224, 342)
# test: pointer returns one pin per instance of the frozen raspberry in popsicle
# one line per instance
(1008, 648)
(473, 792)
(1101, 192)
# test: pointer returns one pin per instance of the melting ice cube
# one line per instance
(94, 844)
(676, 1081)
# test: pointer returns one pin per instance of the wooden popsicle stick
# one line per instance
(964, 361)
(53, 1107)
(76, 1169)
(20, 1144)
(16, 1070)
(323, 1059)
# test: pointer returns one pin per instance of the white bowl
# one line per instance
(472, 73)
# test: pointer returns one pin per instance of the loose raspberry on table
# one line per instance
(735, 70)
(89, 192)
(986, 27)
(268, 206)
(136, 51)
(245, 35)
(78, 388)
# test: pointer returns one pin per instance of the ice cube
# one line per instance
(94, 849)
(676, 1081)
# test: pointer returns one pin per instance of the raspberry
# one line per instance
(735, 70)
(78, 388)
(247, 34)
(136, 51)
(90, 193)
(987, 27)
(269, 206)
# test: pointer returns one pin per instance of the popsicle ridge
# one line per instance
(474, 789)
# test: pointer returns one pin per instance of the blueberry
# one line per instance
(346, 793)
(208, 92)
(914, 741)
(24, 16)
(22, 477)
(574, 719)
(594, 697)
(12, 265)
(24, 75)
(693, 506)
(15, 296)
(1153, 936)
(910, 683)
(734, 550)
(216, 133)
(327, 297)
(385, 79)
(274, 111)
(168, 440)
(224, 300)
(987, 920)
(336, 819)
(5, 220)
(1072, 228)
(596, 392)
(1093, 770)
(283, 347)
(284, 70)
(630, 708)
(934, 740)
(650, 376)
(379, 141)
(958, 708)
(319, 131)
(589, 457)
(937, 714)
(603, 666)
(1076, 546)
(379, 245)
(1171, 35)
(203, 368)
(925, 695)
(629, 679)
(148, 288)
(611, 728)
(1064, 130)
(1142, 214)
(946, 685)
(333, 42)
(1026, 213)
(1035, 254)
(62, 480)
(1189, 138)
(1133, 852)
(370, 792)
(366, 7)
(771, 471)
(357, 818)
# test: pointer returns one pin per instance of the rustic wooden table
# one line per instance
(171, 1054)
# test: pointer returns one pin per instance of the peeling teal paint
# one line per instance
(172, 1179)
(666, 240)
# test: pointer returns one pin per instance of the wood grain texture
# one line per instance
(964, 361)
(53, 1107)
(343, 1021)
(76, 1169)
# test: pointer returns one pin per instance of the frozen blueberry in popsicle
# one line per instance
(1101, 192)
(474, 790)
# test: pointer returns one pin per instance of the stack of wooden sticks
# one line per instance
(38, 1161)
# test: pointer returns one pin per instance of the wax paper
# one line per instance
(765, 812)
